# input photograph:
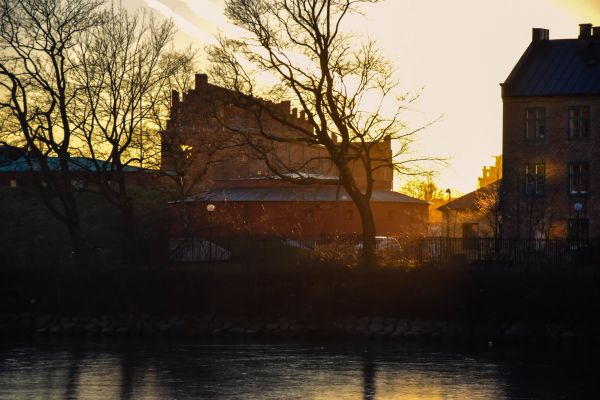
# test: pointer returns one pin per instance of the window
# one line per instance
(579, 122)
(243, 156)
(535, 123)
(535, 179)
(579, 177)
(578, 230)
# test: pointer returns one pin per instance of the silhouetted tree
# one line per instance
(126, 65)
(39, 96)
(344, 88)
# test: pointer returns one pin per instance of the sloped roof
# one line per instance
(76, 164)
(556, 68)
(297, 193)
(468, 201)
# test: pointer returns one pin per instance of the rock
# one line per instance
(68, 329)
(122, 330)
(42, 320)
(517, 332)
(91, 329)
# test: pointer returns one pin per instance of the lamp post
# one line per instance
(448, 213)
(211, 209)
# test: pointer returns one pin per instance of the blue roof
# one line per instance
(76, 164)
(299, 193)
(556, 68)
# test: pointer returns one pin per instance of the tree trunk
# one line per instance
(369, 254)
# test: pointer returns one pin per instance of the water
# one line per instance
(132, 369)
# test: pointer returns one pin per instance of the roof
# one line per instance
(556, 68)
(468, 201)
(298, 193)
(76, 164)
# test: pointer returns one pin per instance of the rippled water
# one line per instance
(130, 369)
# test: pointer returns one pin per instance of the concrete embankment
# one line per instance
(373, 328)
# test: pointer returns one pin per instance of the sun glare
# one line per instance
(454, 53)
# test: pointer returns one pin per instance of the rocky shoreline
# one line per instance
(365, 327)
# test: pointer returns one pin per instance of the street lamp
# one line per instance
(448, 212)
(210, 208)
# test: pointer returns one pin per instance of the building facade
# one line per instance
(211, 128)
(551, 139)
(213, 133)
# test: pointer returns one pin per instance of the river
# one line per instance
(61, 368)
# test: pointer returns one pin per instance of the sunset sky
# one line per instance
(457, 51)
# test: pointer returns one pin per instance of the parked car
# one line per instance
(384, 246)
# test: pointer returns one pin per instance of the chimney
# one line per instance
(584, 41)
(540, 34)
(174, 104)
(201, 81)
(596, 32)
(585, 31)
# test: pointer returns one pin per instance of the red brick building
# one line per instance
(266, 209)
(551, 139)
(204, 132)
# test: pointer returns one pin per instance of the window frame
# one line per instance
(578, 230)
(538, 122)
(582, 131)
(577, 176)
(539, 179)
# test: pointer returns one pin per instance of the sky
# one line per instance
(457, 52)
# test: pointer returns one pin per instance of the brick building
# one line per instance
(210, 129)
(551, 139)
(213, 125)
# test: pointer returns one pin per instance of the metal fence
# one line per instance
(440, 251)
(412, 252)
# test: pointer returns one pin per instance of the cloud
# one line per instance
(182, 23)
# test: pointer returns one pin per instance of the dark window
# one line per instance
(579, 177)
(578, 230)
(579, 122)
(535, 123)
(535, 179)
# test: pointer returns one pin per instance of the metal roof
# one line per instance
(556, 68)
(76, 164)
(299, 193)
(468, 201)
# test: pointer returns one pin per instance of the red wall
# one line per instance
(295, 219)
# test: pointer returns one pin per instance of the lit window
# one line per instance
(535, 179)
(535, 123)
(579, 177)
(243, 156)
(579, 122)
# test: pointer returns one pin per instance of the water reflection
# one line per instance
(130, 369)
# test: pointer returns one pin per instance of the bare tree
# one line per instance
(487, 204)
(38, 95)
(424, 188)
(126, 64)
(345, 90)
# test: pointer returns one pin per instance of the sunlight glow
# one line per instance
(458, 52)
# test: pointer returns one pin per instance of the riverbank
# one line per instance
(316, 301)
(305, 301)
(350, 328)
